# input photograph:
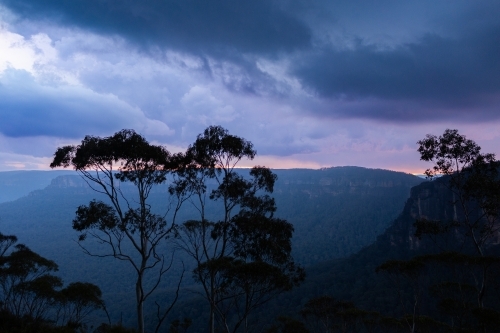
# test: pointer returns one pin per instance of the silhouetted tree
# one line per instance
(131, 231)
(327, 314)
(31, 295)
(243, 258)
(473, 179)
(178, 326)
(77, 301)
(6, 241)
(28, 287)
(461, 275)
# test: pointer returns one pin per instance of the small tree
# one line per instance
(323, 310)
(29, 290)
(126, 224)
(242, 258)
(27, 284)
(77, 301)
(178, 326)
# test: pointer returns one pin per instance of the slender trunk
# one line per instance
(140, 303)
(482, 290)
(140, 274)
(212, 304)
(212, 319)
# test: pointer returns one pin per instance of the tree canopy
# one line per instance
(126, 223)
(244, 257)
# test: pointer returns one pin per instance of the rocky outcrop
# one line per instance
(69, 181)
(432, 201)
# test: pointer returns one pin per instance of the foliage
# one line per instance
(473, 179)
(288, 325)
(28, 290)
(126, 225)
(106, 328)
(178, 326)
(78, 300)
(27, 286)
(413, 272)
(459, 278)
(243, 258)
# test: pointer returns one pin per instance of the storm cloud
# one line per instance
(455, 66)
(315, 83)
(436, 72)
(214, 27)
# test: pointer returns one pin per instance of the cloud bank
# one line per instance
(310, 83)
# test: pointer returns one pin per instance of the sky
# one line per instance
(311, 84)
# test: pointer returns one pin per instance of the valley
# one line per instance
(323, 206)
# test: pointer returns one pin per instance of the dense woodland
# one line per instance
(189, 243)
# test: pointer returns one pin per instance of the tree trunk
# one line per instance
(140, 304)
(212, 319)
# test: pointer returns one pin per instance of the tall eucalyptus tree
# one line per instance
(243, 257)
(125, 223)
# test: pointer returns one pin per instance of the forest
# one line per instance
(207, 246)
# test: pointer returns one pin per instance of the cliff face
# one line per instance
(432, 201)
(16, 184)
(340, 180)
(337, 211)
(78, 185)
(68, 182)
(355, 278)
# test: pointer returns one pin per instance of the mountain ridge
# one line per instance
(327, 217)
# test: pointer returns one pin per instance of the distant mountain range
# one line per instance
(335, 211)
(15, 184)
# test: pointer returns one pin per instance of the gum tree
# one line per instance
(28, 286)
(473, 180)
(462, 272)
(125, 223)
(242, 254)
(30, 290)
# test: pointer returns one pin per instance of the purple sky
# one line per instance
(314, 83)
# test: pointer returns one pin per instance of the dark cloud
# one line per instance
(394, 61)
(436, 68)
(200, 26)
(436, 73)
(218, 32)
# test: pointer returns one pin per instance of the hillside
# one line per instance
(355, 279)
(323, 205)
(15, 184)
(335, 212)
(338, 211)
